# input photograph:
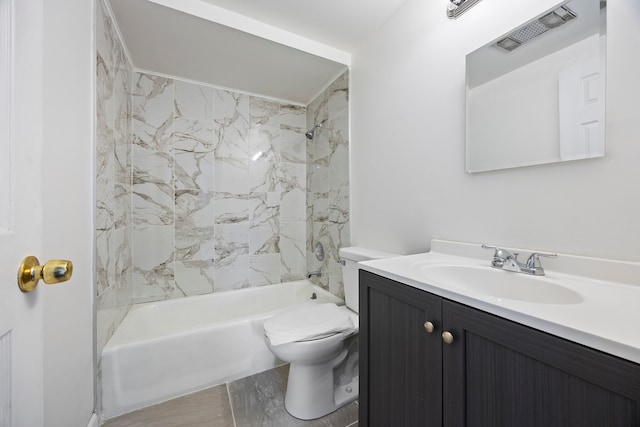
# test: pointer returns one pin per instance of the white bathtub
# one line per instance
(170, 348)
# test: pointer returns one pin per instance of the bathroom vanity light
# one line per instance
(458, 7)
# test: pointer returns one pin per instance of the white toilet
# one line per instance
(320, 343)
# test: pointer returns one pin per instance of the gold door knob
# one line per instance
(447, 337)
(30, 272)
(429, 327)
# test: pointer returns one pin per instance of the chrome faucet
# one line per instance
(316, 273)
(507, 260)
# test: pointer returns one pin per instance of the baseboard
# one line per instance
(93, 421)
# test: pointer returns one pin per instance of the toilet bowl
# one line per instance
(311, 385)
(319, 341)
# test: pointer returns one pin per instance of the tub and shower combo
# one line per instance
(166, 349)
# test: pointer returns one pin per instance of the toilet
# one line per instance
(319, 341)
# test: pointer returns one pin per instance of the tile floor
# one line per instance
(255, 401)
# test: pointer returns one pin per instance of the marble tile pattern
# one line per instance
(114, 260)
(203, 190)
(258, 401)
(255, 401)
(219, 189)
(328, 182)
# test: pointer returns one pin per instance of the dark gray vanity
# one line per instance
(428, 361)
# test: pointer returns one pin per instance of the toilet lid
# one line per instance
(307, 322)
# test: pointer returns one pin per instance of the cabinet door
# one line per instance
(499, 373)
(400, 362)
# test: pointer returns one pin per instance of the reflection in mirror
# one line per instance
(536, 95)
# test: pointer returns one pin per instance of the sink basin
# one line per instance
(502, 284)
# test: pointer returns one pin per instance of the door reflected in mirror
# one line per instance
(537, 94)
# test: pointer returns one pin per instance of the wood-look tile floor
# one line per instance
(255, 401)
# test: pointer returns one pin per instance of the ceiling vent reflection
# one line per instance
(551, 20)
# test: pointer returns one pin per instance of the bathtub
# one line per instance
(166, 349)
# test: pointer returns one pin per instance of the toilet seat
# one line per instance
(308, 322)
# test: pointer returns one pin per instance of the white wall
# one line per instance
(407, 135)
(68, 174)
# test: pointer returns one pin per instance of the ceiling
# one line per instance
(337, 23)
(282, 49)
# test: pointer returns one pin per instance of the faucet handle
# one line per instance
(502, 258)
(533, 264)
(500, 252)
(496, 249)
(534, 259)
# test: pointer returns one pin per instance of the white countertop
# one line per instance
(606, 317)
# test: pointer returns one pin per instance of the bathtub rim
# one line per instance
(116, 341)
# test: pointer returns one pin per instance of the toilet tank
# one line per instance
(350, 257)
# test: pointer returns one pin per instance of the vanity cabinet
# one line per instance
(493, 373)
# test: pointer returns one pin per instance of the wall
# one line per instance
(68, 227)
(113, 179)
(407, 140)
(218, 189)
(328, 182)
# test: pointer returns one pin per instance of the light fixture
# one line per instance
(458, 7)
(551, 20)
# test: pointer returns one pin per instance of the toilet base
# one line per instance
(312, 392)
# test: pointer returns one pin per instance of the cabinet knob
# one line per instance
(447, 337)
(429, 326)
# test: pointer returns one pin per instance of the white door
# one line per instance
(582, 110)
(21, 123)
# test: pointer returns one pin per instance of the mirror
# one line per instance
(537, 94)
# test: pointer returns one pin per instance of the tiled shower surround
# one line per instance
(227, 191)
(114, 263)
(219, 190)
(328, 182)
(202, 190)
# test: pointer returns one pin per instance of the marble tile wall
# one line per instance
(114, 262)
(219, 189)
(328, 182)
(202, 190)
(113, 178)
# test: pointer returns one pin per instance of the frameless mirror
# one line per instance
(537, 94)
